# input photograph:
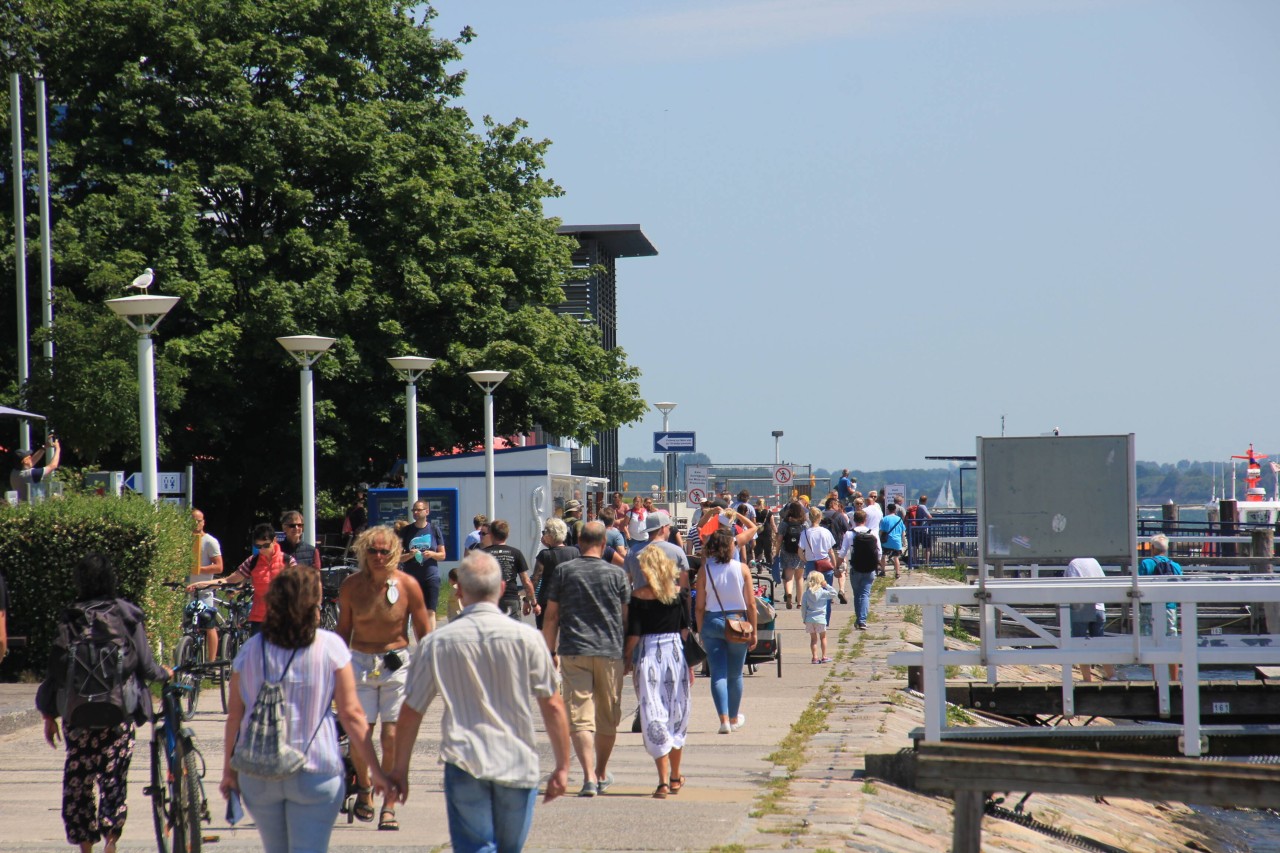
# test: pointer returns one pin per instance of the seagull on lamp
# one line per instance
(143, 281)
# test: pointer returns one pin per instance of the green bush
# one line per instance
(40, 545)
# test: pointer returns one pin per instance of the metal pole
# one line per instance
(308, 458)
(490, 498)
(147, 415)
(777, 450)
(666, 468)
(411, 453)
(19, 246)
(46, 240)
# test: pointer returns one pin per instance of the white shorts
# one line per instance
(380, 694)
(815, 627)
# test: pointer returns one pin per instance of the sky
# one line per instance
(896, 224)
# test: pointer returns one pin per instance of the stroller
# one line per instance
(768, 642)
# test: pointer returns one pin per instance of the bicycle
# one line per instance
(191, 650)
(236, 633)
(331, 581)
(178, 803)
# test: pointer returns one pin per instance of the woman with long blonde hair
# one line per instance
(657, 623)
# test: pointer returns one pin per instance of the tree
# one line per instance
(297, 167)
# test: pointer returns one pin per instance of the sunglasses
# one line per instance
(263, 544)
(379, 552)
(294, 524)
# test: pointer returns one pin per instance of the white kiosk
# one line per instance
(531, 484)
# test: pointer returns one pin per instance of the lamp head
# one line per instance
(135, 310)
(488, 379)
(410, 367)
(665, 408)
(306, 349)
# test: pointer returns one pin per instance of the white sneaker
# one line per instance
(740, 722)
(725, 728)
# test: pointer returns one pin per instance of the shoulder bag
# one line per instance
(736, 628)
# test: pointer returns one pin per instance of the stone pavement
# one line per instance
(827, 805)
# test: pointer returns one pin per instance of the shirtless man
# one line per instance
(374, 606)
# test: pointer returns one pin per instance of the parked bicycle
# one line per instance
(191, 649)
(331, 581)
(178, 803)
(236, 633)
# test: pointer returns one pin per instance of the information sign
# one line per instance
(674, 442)
(695, 484)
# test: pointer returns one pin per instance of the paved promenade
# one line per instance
(828, 805)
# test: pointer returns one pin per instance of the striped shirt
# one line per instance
(308, 693)
(485, 667)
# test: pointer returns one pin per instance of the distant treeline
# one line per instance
(1185, 482)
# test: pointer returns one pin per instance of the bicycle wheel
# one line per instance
(329, 616)
(187, 805)
(159, 792)
(188, 653)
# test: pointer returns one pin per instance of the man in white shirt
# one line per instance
(487, 739)
(208, 565)
(874, 512)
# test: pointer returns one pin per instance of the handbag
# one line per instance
(736, 628)
(695, 654)
(824, 565)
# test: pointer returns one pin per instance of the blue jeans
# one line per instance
(726, 660)
(294, 815)
(484, 817)
(862, 582)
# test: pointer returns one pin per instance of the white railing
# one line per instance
(1003, 598)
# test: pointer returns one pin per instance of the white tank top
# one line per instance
(728, 578)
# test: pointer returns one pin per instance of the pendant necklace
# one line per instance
(393, 594)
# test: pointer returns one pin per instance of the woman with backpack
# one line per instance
(292, 778)
(98, 731)
(789, 532)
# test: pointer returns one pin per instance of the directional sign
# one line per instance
(167, 482)
(674, 442)
(783, 475)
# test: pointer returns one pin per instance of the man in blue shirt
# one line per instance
(891, 529)
(1160, 564)
(844, 488)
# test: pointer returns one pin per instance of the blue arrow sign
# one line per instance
(674, 442)
(134, 482)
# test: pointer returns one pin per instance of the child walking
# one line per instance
(814, 606)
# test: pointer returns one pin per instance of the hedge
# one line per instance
(40, 545)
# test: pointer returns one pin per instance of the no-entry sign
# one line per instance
(783, 475)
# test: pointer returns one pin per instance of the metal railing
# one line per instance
(1004, 599)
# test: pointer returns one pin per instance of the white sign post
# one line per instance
(695, 484)
(896, 492)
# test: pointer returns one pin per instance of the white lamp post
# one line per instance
(410, 367)
(777, 447)
(666, 408)
(306, 350)
(143, 314)
(488, 380)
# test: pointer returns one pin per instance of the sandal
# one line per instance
(363, 809)
(676, 784)
(388, 823)
(660, 793)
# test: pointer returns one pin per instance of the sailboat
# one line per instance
(945, 499)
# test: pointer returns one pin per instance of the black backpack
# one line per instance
(571, 535)
(94, 690)
(863, 552)
(791, 538)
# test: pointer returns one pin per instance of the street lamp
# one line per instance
(410, 367)
(666, 408)
(306, 350)
(143, 314)
(488, 380)
(777, 454)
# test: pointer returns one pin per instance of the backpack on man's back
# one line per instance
(863, 553)
(99, 659)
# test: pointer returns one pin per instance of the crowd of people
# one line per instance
(618, 592)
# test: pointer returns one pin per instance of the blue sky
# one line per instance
(893, 222)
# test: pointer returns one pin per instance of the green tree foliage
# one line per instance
(295, 167)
